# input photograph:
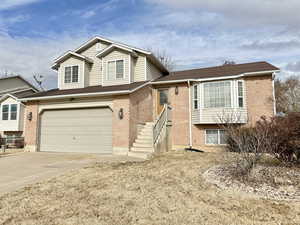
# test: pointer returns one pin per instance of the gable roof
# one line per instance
(220, 71)
(68, 54)
(111, 47)
(114, 44)
(22, 79)
(99, 38)
(88, 91)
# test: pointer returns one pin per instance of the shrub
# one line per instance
(278, 136)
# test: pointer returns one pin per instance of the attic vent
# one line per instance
(98, 46)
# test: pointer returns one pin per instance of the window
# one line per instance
(240, 94)
(5, 113)
(215, 137)
(13, 111)
(196, 97)
(217, 94)
(119, 69)
(71, 74)
(163, 97)
(115, 69)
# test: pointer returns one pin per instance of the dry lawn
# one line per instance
(166, 190)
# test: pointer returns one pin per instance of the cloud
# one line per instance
(9, 4)
(293, 67)
(254, 12)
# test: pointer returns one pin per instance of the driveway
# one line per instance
(20, 169)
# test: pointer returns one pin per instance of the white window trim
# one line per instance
(237, 94)
(115, 77)
(205, 137)
(64, 74)
(198, 96)
(9, 111)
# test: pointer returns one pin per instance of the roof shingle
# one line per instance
(219, 71)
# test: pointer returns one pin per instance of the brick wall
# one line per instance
(259, 97)
(141, 110)
(31, 127)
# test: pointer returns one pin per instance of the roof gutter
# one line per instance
(96, 94)
(216, 78)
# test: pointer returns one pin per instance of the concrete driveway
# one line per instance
(20, 169)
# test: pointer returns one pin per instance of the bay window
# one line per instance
(5, 112)
(9, 112)
(240, 94)
(217, 94)
(196, 97)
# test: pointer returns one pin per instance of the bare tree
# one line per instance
(39, 79)
(229, 62)
(164, 58)
(287, 95)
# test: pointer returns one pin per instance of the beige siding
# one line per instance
(12, 125)
(95, 77)
(72, 61)
(116, 55)
(139, 68)
(152, 71)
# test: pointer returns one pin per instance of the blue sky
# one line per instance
(195, 33)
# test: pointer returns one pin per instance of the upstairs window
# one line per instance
(217, 94)
(196, 97)
(13, 111)
(240, 94)
(71, 74)
(115, 69)
(5, 112)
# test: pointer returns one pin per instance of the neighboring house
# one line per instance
(12, 110)
(110, 95)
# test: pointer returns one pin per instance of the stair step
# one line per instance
(150, 132)
(144, 145)
(141, 149)
(144, 141)
(141, 155)
(149, 123)
(144, 137)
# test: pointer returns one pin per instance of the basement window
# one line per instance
(215, 137)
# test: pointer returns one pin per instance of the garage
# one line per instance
(87, 130)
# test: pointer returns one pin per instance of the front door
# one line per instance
(162, 99)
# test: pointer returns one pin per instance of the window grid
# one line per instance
(217, 94)
(240, 94)
(196, 97)
(115, 69)
(215, 137)
(13, 112)
(5, 112)
(71, 74)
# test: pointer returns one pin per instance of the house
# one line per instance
(112, 98)
(12, 109)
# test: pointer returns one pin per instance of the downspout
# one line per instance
(190, 116)
(274, 98)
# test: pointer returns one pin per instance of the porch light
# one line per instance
(176, 90)
(29, 116)
(121, 114)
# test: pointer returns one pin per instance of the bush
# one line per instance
(278, 136)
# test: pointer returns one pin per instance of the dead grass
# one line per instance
(166, 190)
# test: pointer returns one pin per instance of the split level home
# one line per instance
(117, 99)
(12, 89)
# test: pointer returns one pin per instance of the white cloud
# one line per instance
(8, 4)
(254, 12)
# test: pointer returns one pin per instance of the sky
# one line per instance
(195, 33)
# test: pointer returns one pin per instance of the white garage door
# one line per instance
(76, 130)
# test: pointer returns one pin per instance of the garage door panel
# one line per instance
(77, 130)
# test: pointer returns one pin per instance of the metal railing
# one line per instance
(161, 121)
(16, 142)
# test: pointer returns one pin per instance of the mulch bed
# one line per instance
(269, 182)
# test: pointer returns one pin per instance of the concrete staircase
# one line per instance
(143, 145)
